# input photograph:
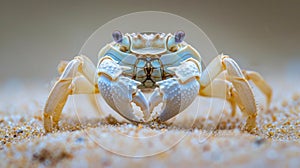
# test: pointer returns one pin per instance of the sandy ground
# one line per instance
(204, 135)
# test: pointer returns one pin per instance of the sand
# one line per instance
(205, 135)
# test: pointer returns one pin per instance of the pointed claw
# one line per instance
(155, 99)
(179, 92)
(140, 100)
(119, 91)
(119, 94)
(176, 97)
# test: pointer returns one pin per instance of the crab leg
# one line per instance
(177, 93)
(119, 91)
(242, 92)
(76, 78)
(224, 89)
(260, 83)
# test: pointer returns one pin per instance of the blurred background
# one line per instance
(35, 35)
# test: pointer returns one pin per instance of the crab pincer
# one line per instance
(178, 92)
(119, 91)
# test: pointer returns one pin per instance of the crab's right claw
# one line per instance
(119, 91)
(177, 93)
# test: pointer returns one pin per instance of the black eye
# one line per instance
(117, 36)
(179, 36)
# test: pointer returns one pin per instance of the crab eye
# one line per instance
(123, 41)
(179, 36)
(175, 40)
(117, 36)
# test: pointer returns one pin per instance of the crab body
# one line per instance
(163, 64)
(149, 57)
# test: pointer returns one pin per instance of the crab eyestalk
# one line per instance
(175, 39)
(122, 40)
(117, 36)
(179, 36)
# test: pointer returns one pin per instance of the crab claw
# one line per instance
(119, 91)
(176, 93)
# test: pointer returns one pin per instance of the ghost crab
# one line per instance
(133, 63)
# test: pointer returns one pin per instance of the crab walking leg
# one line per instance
(263, 86)
(61, 67)
(244, 94)
(177, 93)
(119, 91)
(77, 78)
(224, 89)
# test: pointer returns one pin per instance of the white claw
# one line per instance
(140, 100)
(121, 93)
(174, 95)
(155, 99)
(177, 93)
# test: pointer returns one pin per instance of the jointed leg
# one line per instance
(77, 77)
(224, 89)
(260, 83)
(241, 94)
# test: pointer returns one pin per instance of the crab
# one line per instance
(163, 64)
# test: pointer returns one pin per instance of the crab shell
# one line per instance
(147, 61)
(148, 56)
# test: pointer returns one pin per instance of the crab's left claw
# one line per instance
(119, 91)
(177, 93)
